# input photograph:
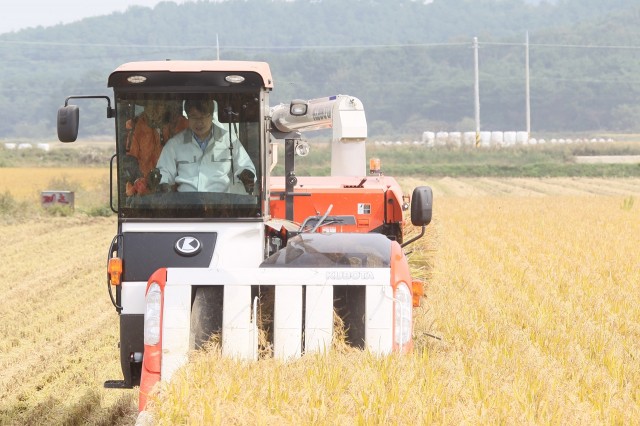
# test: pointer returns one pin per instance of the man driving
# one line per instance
(205, 157)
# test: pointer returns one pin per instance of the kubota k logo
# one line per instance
(188, 246)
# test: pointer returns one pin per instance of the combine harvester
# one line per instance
(186, 266)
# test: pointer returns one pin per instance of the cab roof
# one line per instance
(261, 68)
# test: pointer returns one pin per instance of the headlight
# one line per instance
(402, 314)
(152, 315)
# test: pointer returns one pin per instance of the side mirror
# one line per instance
(68, 121)
(421, 210)
(421, 206)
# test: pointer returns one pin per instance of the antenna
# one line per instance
(217, 48)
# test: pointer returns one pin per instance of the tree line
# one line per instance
(410, 62)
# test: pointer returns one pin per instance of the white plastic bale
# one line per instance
(485, 139)
(455, 139)
(509, 138)
(429, 138)
(469, 138)
(522, 137)
(442, 138)
(497, 138)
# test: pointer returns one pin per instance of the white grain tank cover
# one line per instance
(348, 153)
(345, 115)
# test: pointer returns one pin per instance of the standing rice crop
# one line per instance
(535, 310)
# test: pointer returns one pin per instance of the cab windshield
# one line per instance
(188, 155)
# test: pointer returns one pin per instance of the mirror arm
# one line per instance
(110, 111)
(417, 237)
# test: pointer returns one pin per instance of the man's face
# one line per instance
(199, 122)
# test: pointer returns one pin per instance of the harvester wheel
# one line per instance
(206, 315)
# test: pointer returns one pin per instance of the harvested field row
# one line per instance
(26, 183)
(58, 341)
(470, 187)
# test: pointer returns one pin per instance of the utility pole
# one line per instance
(476, 89)
(528, 95)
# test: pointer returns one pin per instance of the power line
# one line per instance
(230, 47)
(300, 47)
(576, 46)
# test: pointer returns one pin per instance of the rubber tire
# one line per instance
(206, 315)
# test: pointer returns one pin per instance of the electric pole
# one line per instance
(476, 89)
(528, 95)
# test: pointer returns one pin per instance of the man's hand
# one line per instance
(153, 180)
(130, 168)
(164, 187)
(247, 178)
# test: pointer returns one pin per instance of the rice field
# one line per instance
(531, 316)
(58, 332)
(26, 183)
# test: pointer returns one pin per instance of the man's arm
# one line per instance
(167, 163)
(245, 171)
(241, 159)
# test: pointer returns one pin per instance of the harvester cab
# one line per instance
(206, 235)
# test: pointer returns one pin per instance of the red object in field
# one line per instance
(49, 198)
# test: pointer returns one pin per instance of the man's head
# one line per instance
(200, 115)
(159, 113)
(156, 113)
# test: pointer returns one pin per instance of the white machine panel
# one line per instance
(133, 297)
(318, 318)
(287, 322)
(176, 323)
(379, 324)
(239, 333)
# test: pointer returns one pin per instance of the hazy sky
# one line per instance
(20, 14)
